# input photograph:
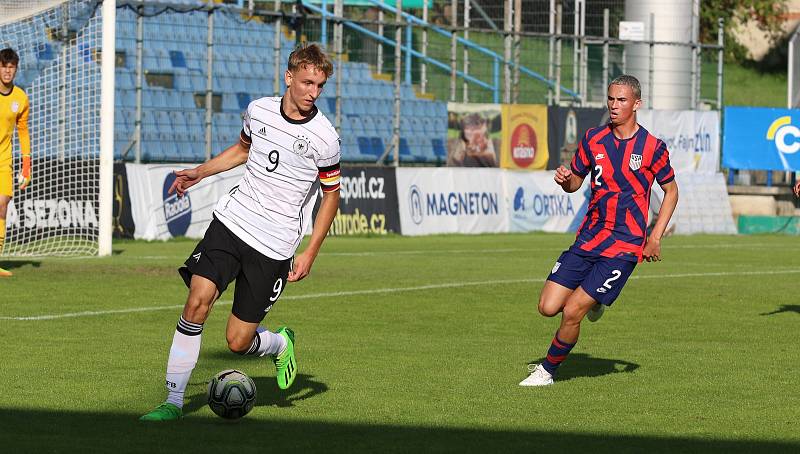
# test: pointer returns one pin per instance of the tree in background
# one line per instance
(768, 15)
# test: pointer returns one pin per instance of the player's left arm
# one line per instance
(329, 178)
(666, 179)
(327, 211)
(24, 146)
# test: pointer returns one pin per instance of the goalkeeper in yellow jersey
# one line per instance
(13, 112)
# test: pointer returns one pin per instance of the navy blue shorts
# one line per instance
(601, 277)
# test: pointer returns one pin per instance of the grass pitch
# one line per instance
(416, 344)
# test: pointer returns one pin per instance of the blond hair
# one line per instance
(310, 55)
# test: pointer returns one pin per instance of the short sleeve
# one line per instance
(661, 167)
(580, 161)
(245, 136)
(328, 165)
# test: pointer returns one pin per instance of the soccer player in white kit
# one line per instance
(287, 145)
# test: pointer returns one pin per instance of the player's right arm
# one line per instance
(571, 179)
(568, 180)
(233, 156)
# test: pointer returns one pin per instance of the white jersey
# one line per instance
(287, 158)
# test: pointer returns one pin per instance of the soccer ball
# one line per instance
(231, 394)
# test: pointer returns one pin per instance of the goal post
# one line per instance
(67, 65)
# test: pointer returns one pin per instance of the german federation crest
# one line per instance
(300, 146)
(635, 162)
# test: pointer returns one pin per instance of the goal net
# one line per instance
(59, 44)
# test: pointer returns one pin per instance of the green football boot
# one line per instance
(164, 412)
(285, 364)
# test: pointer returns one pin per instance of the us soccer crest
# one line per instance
(635, 162)
(300, 146)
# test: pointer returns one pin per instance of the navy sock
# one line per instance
(557, 353)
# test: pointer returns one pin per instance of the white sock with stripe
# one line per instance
(182, 358)
(265, 343)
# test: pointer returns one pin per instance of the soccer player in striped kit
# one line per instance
(14, 108)
(622, 160)
(287, 145)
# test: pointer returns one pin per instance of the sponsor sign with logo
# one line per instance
(692, 137)
(367, 202)
(538, 203)
(66, 208)
(524, 143)
(451, 200)
(158, 215)
(759, 138)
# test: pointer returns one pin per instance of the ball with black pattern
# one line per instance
(231, 394)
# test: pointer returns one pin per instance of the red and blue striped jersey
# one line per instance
(622, 174)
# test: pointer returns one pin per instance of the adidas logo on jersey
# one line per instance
(196, 257)
(263, 131)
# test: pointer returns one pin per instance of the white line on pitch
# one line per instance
(666, 248)
(394, 290)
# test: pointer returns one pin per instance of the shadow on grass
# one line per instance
(30, 431)
(582, 365)
(785, 308)
(268, 394)
(12, 265)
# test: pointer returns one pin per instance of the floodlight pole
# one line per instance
(276, 51)
(338, 9)
(379, 58)
(398, 61)
(453, 46)
(209, 77)
(559, 17)
(695, 53)
(466, 50)
(606, 26)
(551, 56)
(517, 45)
(139, 81)
(720, 57)
(651, 72)
(508, 20)
(423, 75)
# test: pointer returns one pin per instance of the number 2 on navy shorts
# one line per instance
(601, 277)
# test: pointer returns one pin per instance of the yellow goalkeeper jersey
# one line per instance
(13, 112)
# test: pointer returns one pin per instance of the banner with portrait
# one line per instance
(473, 134)
(566, 127)
(524, 145)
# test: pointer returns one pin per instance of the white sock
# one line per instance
(266, 343)
(182, 359)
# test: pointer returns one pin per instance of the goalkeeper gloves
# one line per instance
(24, 178)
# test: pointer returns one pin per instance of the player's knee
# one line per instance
(196, 309)
(548, 307)
(238, 344)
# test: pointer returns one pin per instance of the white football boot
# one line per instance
(595, 312)
(538, 376)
